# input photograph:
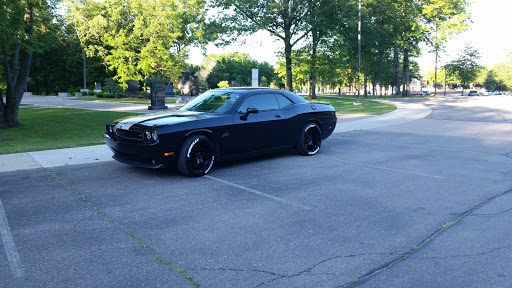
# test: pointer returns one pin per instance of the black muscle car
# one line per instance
(218, 125)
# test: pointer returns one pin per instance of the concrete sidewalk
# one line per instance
(68, 102)
(405, 112)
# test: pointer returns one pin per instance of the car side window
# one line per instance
(262, 102)
(283, 101)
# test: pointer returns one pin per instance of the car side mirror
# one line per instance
(249, 110)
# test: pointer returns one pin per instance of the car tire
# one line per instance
(310, 140)
(196, 156)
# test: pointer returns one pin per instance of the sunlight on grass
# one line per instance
(346, 106)
(55, 128)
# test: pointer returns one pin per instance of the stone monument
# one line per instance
(157, 95)
(133, 86)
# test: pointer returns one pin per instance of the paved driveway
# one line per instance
(421, 204)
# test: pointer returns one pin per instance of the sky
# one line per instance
(490, 33)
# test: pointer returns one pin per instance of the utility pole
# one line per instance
(358, 56)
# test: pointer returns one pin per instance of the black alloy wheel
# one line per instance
(196, 156)
(310, 140)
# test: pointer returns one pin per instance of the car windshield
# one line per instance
(212, 102)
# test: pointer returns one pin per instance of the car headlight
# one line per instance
(112, 128)
(151, 137)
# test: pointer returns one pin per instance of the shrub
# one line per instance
(112, 86)
(223, 84)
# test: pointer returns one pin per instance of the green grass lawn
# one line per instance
(121, 100)
(54, 128)
(346, 106)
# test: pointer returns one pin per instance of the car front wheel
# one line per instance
(310, 140)
(196, 156)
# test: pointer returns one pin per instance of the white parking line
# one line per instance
(258, 193)
(10, 248)
(384, 168)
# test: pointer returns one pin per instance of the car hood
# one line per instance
(160, 119)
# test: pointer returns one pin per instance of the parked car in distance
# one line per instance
(416, 93)
(425, 93)
(221, 124)
(473, 93)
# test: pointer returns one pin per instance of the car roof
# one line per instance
(254, 90)
(246, 88)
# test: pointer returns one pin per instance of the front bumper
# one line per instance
(138, 154)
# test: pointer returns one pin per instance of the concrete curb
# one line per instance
(405, 112)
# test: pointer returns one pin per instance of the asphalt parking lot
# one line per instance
(426, 203)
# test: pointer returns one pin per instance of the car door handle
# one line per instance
(278, 115)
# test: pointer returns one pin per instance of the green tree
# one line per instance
(285, 20)
(237, 68)
(139, 38)
(55, 67)
(300, 66)
(465, 68)
(323, 19)
(444, 18)
(499, 78)
(22, 24)
(88, 24)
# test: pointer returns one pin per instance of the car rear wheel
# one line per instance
(196, 156)
(310, 140)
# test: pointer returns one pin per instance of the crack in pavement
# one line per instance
(123, 227)
(278, 276)
(82, 220)
(308, 270)
(503, 117)
(362, 279)
(240, 270)
(474, 254)
(493, 214)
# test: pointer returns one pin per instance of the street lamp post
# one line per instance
(359, 55)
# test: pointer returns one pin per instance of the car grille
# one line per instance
(130, 135)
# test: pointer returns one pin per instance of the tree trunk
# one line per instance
(380, 73)
(365, 77)
(435, 74)
(397, 72)
(380, 60)
(84, 58)
(16, 71)
(406, 76)
(288, 56)
(312, 68)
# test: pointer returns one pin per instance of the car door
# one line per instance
(257, 131)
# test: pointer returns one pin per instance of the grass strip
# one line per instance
(47, 128)
(346, 106)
